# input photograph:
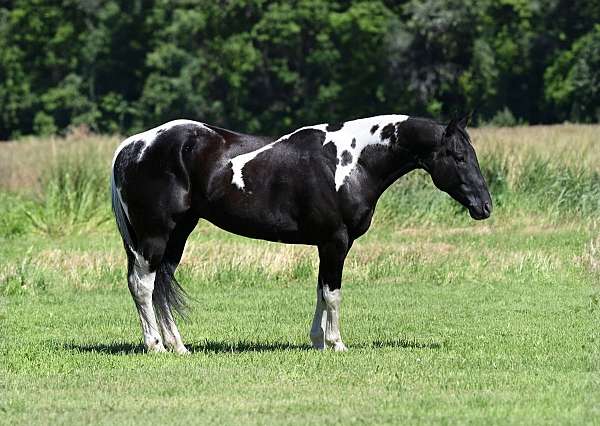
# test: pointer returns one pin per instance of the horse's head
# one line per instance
(454, 169)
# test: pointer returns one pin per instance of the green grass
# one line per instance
(480, 324)
(448, 321)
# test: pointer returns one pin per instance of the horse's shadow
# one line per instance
(213, 346)
(405, 344)
(206, 346)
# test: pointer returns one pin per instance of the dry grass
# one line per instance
(23, 163)
(566, 144)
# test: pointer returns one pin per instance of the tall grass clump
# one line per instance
(73, 197)
(542, 173)
(55, 186)
(414, 200)
(561, 190)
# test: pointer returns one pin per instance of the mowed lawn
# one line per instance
(487, 323)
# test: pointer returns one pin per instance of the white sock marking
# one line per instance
(171, 335)
(333, 300)
(141, 286)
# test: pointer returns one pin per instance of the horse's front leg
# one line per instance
(317, 331)
(325, 331)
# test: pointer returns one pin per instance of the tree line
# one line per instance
(119, 66)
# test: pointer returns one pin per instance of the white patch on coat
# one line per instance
(358, 131)
(333, 300)
(150, 135)
(238, 162)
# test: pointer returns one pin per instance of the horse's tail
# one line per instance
(168, 295)
(123, 224)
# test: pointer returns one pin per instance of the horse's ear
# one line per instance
(464, 122)
(450, 128)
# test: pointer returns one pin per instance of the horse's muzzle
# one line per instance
(481, 211)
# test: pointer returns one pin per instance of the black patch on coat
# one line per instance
(353, 144)
(334, 127)
(389, 132)
(374, 129)
(331, 153)
(160, 131)
(346, 158)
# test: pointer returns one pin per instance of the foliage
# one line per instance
(120, 66)
(574, 82)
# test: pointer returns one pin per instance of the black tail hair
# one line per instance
(168, 295)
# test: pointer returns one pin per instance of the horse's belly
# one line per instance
(271, 226)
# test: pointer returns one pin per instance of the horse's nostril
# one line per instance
(487, 209)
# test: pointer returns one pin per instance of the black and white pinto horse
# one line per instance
(317, 185)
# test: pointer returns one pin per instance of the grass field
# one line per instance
(447, 320)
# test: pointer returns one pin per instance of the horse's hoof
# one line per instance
(338, 346)
(182, 350)
(157, 348)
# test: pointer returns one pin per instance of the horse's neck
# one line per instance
(386, 166)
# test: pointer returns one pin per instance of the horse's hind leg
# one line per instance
(169, 263)
(141, 276)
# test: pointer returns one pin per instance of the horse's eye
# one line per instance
(460, 158)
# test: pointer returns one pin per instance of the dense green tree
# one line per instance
(573, 80)
(267, 66)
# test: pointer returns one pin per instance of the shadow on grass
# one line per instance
(110, 348)
(207, 346)
(406, 344)
(212, 346)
